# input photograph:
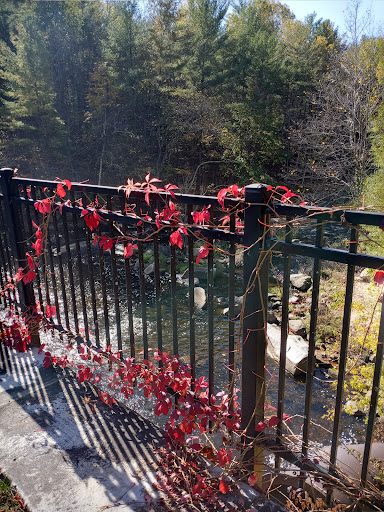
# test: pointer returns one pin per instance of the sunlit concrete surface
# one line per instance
(62, 455)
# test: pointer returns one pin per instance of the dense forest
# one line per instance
(198, 92)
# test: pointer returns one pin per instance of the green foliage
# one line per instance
(9, 499)
(187, 90)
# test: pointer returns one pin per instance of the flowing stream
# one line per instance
(323, 398)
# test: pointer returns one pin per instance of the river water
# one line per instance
(352, 428)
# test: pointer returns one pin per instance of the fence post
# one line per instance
(255, 275)
(12, 217)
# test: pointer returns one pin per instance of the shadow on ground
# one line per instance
(62, 455)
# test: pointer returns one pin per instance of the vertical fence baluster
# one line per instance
(115, 282)
(343, 356)
(143, 297)
(92, 280)
(175, 337)
(211, 353)
(3, 297)
(70, 271)
(30, 232)
(104, 290)
(128, 288)
(159, 325)
(374, 399)
(254, 321)
(7, 246)
(43, 260)
(61, 270)
(52, 266)
(80, 266)
(283, 345)
(191, 297)
(312, 341)
(231, 308)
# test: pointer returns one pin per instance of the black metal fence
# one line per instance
(107, 299)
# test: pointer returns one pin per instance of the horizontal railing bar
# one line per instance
(351, 216)
(97, 189)
(334, 215)
(327, 254)
(213, 233)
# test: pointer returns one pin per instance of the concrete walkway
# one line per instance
(61, 455)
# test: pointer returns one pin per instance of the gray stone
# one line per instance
(297, 327)
(201, 272)
(355, 409)
(297, 350)
(150, 269)
(272, 318)
(239, 300)
(301, 282)
(365, 275)
(185, 282)
(239, 257)
(200, 297)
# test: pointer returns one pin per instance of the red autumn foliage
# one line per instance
(91, 218)
(203, 252)
(43, 206)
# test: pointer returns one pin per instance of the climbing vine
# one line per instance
(194, 416)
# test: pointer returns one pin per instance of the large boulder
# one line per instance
(301, 282)
(200, 297)
(297, 350)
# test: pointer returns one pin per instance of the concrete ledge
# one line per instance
(61, 455)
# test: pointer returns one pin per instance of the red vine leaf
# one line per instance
(273, 421)
(128, 250)
(19, 275)
(30, 275)
(234, 190)
(43, 206)
(203, 252)
(176, 238)
(91, 218)
(60, 190)
(261, 426)
(224, 457)
(378, 278)
(50, 311)
(201, 217)
(68, 184)
(223, 486)
(221, 196)
(287, 196)
(31, 263)
(170, 189)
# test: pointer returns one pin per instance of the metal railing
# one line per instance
(96, 293)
